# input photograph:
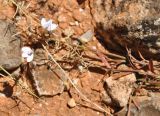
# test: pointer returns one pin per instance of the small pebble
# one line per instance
(68, 32)
(86, 37)
(81, 68)
(71, 103)
(2, 95)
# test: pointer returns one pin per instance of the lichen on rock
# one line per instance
(134, 24)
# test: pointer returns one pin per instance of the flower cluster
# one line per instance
(49, 25)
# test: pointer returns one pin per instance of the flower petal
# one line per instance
(49, 25)
(30, 58)
(43, 23)
(52, 27)
(24, 55)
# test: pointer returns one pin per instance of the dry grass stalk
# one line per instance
(19, 83)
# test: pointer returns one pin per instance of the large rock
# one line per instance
(131, 23)
(147, 106)
(48, 81)
(118, 91)
(10, 52)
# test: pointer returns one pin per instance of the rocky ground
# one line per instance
(102, 58)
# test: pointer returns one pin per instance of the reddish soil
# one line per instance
(74, 14)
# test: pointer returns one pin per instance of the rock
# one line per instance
(68, 32)
(65, 18)
(71, 103)
(79, 14)
(47, 81)
(2, 95)
(125, 83)
(70, 5)
(77, 30)
(106, 98)
(148, 106)
(76, 23)
(63, 25)
(40, 58)
(10, 57)
(134, 24)
(86, 25)
(130, 78)
(118, 91)
(86, 37)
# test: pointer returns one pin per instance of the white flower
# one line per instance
(27, 53)
(49, 25)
